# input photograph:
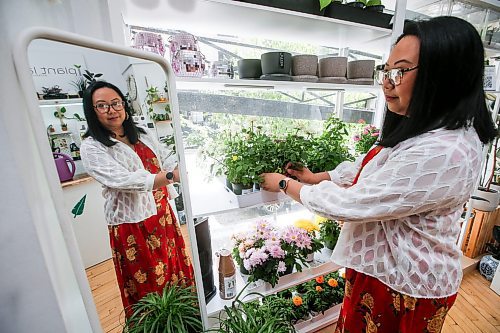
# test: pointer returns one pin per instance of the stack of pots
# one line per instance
(305, 68)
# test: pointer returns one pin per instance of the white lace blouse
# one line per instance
(127, 186)
(401, 218)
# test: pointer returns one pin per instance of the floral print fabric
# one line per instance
(372, 307)
(151, 253)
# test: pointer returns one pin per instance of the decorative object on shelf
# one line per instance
(304, 64)
(360, 72)
(148, 41)
(80, 84)
(358, 14)
(227, 274)
(53, 92)
(222, 69)
(329, 231)
(276, 63)
(78, 208)
(51, 129)
(488, 266)
(249, 69)
(366, 138)
(64, 127)
(302, 6)
(65, 166)
(333, 67)
(185, 55)
(243, 316)
(174, 311)
(75, 151)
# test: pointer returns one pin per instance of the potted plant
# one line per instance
(250, 317)
(329, 231)
(354, 12)
(366, 138)
(323, 292)
(174, 311)
(311, 228)
(51, 128)
(375, 6)
(64, 127)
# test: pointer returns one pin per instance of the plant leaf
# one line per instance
(80, 205)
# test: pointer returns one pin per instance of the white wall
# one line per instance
(41, 290)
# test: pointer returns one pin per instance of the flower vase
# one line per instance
(488, 266)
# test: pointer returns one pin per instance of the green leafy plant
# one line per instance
(329, 149)
(370, 3)
(323, 292)
(366, 138)
(174, 311)
(329, 231)
(60, 113)
(250, 317)
(325, 3)
(91, 77)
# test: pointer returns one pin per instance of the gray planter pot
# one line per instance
(305, 78)
(249, 69)
(304, 64)
(333, 67)
(360, 69)
(276, 63)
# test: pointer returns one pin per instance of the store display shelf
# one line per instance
(203, 204)
(187, 83)
(320, 266)
(52, 102)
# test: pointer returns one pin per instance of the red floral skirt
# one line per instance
(151, 253)
(372, 307)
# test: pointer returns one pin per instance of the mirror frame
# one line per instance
(21, 62)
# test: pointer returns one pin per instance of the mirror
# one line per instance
(59, 73)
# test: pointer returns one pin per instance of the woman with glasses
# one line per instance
(402, 201)
(134, 170)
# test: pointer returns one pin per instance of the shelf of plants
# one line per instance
(321, 265)
(54, 102)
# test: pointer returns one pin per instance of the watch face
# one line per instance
(282, 184)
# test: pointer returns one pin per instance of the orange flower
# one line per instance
(319, 289)
(297, 300)
(333, 283)
(343, 275)
(320, 279)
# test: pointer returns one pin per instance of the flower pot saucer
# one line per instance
(305, 78)
(332, 79)
(276, 77)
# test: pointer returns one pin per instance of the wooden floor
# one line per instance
(477, 308)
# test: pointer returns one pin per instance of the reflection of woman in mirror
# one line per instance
(146, 241)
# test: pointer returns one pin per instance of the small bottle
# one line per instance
(227, 274)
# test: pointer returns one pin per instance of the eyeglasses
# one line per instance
(394, 75)
(104, 107)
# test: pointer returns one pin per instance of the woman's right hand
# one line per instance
(304, 175)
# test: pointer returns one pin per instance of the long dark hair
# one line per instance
(95, 128)
(448, 90)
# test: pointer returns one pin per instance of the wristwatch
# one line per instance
(283, 184)
(170, 175)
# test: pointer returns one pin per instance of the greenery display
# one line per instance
(329, 231)
(250, 317)
(323, 292)
(365, 138)
(153, 96)
(174, 311)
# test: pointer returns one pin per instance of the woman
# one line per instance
(146, 241)
(401, 203)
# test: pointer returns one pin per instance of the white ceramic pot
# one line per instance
(484, 200)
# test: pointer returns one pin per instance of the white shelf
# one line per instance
(53, 102)
(249, 20)
(321, 266)
(186, 83)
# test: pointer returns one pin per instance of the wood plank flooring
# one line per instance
(477, 308)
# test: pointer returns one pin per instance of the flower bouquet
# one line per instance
(364, 140)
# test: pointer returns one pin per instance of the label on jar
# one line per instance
(229, 289)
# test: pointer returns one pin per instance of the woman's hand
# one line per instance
(270, 181)
(304, 175)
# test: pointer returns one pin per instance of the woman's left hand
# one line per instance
(270, 181)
